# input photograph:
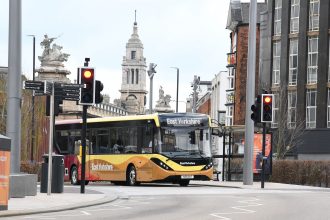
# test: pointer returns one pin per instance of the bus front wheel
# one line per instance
(74, 176)
(131, 176)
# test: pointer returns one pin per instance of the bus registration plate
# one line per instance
(187, 176)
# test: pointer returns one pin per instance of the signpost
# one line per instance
(65, 91)
(70, 92)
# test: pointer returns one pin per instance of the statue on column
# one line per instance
(164, 101)
(52, 55)
(52, 61)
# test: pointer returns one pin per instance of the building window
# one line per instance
(311, 108)
(312, 60)
(133, 54)
(294, 20)
(132, 75)
(229, 115)
(127, 77)
(137, 76)
(293, 62)
(277, 17)
(222, 117)
(231, 77)
(275, 111)
(276, 62)
(292, 103)
(314, 12)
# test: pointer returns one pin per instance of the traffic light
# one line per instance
(267, 107)
(98, 90)
(58, 105)
(255, 108)
(87, 94)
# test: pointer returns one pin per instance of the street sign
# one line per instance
(38, 93)
(73, 86)
(68, 91)
(48, 86)
(34, 85)
(71, 97)
(63, 91)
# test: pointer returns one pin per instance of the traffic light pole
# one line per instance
(263, 155)
(83, 142)
(50, 143)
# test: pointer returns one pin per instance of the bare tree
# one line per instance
(288, 129)
(3, 104)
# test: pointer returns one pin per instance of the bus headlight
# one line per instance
(208, 166)
(161, 163)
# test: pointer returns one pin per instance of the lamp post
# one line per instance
(151, 72)
(177, 88)
(33, 77)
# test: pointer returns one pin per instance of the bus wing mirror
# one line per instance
(216, 132)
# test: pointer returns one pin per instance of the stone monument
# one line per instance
(163, 103)
(52, 58)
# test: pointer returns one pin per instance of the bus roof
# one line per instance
(157, 117)
(109, 119)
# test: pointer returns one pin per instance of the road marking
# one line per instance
(82, 213)
(116, 206)
(86, 213)
(242, 209)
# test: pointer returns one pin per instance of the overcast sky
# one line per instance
(188, 34)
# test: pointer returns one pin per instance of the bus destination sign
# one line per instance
(175, 121)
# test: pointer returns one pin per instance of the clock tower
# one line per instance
(133, 86)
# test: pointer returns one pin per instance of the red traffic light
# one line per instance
(267, 108)
(87, 73)
(87, 79)
(267, 99)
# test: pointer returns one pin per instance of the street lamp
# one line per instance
(33, 77)
(177, 88)
(151, 72)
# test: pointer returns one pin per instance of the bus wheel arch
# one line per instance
(131, 175)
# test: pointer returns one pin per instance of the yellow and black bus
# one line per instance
(167, 147)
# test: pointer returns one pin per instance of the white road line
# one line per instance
(82, 213)
(86, 213)
(37, 217)
(242, 209)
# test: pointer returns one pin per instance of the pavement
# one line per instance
(71, 198)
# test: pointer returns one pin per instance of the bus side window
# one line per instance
(70, 143)
(102, 141)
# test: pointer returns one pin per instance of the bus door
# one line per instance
(78, 152)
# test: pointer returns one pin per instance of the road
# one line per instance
(162, 201)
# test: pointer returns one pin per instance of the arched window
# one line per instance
(132, 70)
(137, 76)
(127, 77)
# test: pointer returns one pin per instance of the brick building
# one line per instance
(204, 104)
(238, 24)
